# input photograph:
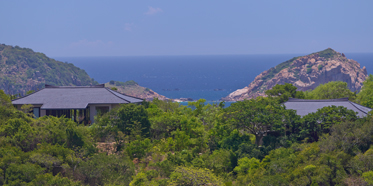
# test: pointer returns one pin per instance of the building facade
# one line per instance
(80, 103)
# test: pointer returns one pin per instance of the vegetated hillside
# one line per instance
(253, 142)
(131, 88)
(22, 69)
(306, 73)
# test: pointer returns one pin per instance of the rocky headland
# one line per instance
(131, 88)
(306, 73)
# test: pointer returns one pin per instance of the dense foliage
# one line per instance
(284, 92)
(327, 53)
(253, 142)
(331, 90)
(365, 96)
(275, 70)
(22, 69)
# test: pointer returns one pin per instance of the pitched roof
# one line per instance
(304, 106)
(74, 97)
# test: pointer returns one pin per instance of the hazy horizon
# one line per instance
(299, 54)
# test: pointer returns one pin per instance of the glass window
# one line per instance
(36, 112)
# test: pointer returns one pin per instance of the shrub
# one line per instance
(320, 67)
(274, 70)
(129, 83)
(102, 169)
(138, 148)
(193, 176)
(328, 53)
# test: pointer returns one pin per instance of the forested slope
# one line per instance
(22, 69)
(252, 142)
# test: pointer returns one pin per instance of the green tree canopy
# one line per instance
(284, 92)
(193, 176)
(314, 125)
(331, 90)
(257, 116)
(365, 96)
(129, 119)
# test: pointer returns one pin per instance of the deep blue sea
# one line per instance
(210, 77)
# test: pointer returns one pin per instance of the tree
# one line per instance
(284, 92)
(331, 90)
(365, 96)
(314, 125)
(49, 179)
(246, 165)
(101, 169)
(368, 177)
(257, 116)
(190, 176)
(125, 119)
(141, 179)
(19, 174)
(4, 99)
(30, 92)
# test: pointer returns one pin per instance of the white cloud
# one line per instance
(95, 44)
(152, 11)
(128, 26)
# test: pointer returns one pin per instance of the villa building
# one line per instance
(304, 106)
(80, 103)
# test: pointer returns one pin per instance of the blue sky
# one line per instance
(194, 27)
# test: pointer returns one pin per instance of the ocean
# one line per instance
(210, 77)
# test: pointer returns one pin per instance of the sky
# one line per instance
(194, 27)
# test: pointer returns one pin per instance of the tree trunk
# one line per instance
(259, 139)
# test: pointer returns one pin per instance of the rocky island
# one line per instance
(306, 73)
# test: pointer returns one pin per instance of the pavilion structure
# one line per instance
(305, 106)
(80, 103)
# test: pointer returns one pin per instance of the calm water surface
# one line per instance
(209, 77)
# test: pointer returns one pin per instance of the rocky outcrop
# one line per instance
(131, 88)
(183, 100)
(306, 73)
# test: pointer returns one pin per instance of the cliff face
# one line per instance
(131, 88)
(306, 73)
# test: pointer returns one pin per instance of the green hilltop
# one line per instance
(22, 69)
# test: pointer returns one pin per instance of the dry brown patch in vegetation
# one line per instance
(109, 148)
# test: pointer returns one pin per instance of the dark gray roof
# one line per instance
(304, 106)
(77, 97)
